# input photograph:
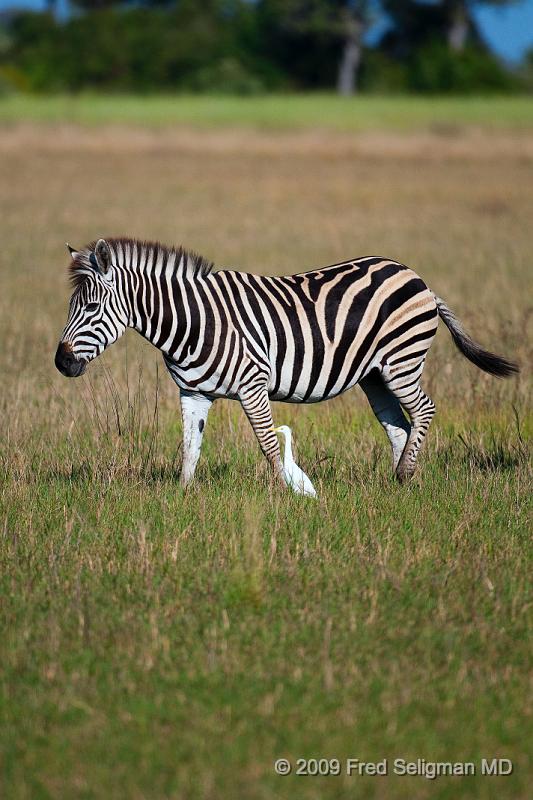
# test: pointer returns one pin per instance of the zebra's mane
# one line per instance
(178, 259)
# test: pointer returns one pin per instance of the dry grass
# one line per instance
(161, 645)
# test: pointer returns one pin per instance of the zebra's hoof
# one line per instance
(404, 474)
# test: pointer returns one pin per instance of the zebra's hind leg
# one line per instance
(256, 406)
(421, 410)
(389, 412)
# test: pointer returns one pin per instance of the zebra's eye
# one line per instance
(91, 307)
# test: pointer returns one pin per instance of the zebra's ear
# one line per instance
(102, 253)
(72, 251)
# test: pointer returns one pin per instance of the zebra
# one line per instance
(299, 338)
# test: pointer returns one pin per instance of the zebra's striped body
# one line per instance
(300, 339)
(308, 337)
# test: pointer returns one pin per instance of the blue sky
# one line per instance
(508, 30)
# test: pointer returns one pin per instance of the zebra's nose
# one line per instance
(67, 363)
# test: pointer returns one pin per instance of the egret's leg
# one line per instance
(194, 410)
(256, 405)
(389, 412)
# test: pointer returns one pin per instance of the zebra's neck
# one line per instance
(162, 290)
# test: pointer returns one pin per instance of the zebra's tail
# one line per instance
(488, 362)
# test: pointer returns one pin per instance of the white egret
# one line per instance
(294, 477)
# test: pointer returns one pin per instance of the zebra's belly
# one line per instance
(298, 397)
(319, 392)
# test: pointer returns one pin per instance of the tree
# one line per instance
(460, 21)
(449, 20)
(458, 24)
(95, 5)
(353, 19)
(341, 23)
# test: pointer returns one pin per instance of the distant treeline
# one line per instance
(246, 47)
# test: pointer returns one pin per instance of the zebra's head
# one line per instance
(97, 314)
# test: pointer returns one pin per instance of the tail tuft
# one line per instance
(488, 362)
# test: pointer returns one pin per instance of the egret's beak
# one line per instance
(274, 429)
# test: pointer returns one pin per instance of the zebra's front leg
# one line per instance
(256, 405)
(194, 411)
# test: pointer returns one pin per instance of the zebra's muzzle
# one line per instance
(67, 363)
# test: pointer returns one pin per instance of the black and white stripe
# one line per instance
(300, 338)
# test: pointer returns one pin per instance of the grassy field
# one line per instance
(274, 111)
(159, 644)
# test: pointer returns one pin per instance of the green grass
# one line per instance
(275, 112)
(190, 639)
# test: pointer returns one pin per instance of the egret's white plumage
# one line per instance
(295, 477)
